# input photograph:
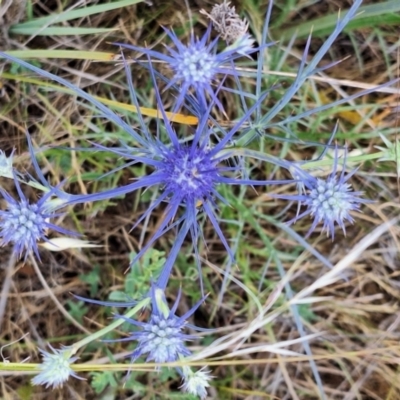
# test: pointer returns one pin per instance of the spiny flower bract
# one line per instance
(161, 338)
(24, 223)
(55, 368)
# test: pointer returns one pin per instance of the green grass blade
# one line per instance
(58, 31)
(76, 13)
(368, 16)
(73, 54)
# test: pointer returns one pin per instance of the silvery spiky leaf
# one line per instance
(55, 368)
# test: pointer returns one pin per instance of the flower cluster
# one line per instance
(24, 223)
(328, 200)
(187, 173)
(161, 337)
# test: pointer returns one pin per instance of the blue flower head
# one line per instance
(24, 223)
(329, 201)
(55, 368)
(161, 338)
(196, 65)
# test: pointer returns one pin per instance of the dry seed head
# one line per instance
(227, 22)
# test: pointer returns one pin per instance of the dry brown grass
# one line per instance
(357, 352)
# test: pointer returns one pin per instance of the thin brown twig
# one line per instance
(7, 285)
(53, 297)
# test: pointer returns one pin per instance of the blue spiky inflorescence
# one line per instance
(329, 201)
(196, 65)
(55, 368)
(190, 172)
(161, 338)
(24, 223)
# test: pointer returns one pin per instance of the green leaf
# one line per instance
(140, 274)
(76, 13)
(57, 30)
(100, 380)
(93, 279)
(77, 310)
(368, 16)
(72, 54)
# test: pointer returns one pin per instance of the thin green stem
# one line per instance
(243, 152)
(96, 335)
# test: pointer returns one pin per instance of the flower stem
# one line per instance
(94, 336)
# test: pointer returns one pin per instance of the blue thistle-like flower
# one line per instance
(24, 223)
(197, 64)
(55, 368)
(188, 173)
(161, 338)
(329, 201)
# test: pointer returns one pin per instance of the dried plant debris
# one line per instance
(227, 22)
(11, 12)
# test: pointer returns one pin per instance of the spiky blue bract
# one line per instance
(197, 64)
(328, 200)
(55, 368)
(161, 338)
(24, 223)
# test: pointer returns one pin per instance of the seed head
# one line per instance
(227, 22)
